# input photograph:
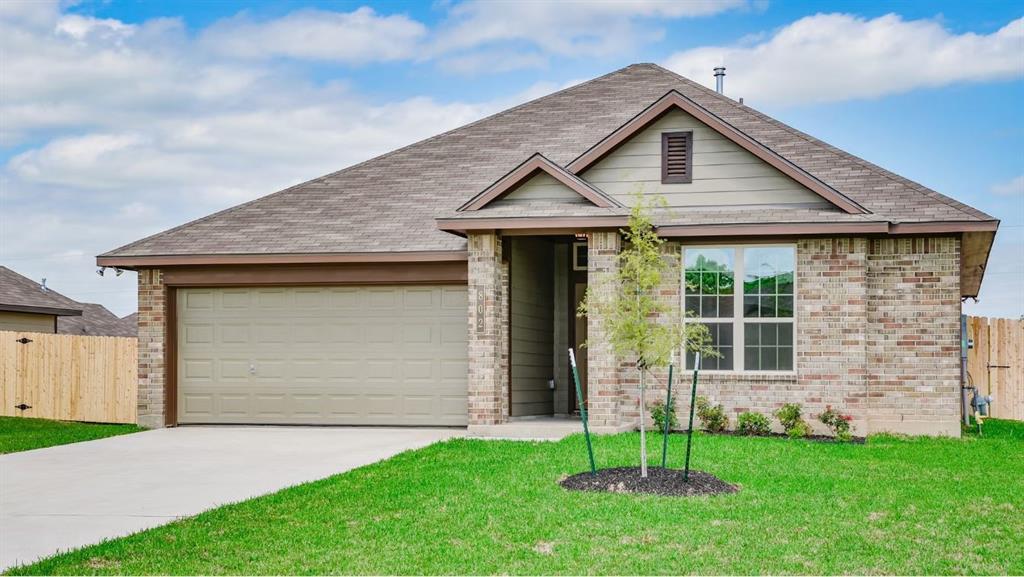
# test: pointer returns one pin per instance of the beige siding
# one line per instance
(541, 186)
(26, 322)
(532, 320)
(382, 355)
(561, 328)
(723, 173)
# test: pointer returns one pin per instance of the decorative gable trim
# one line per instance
(674, 99)
(525, 171)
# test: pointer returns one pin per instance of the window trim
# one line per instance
(577, 248)
(738, 320)
(665, 178)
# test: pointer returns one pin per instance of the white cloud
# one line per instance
(493, 62)
(571, 28)
(1012, 187)
(125, 130)
(833, 57)
(356, 37)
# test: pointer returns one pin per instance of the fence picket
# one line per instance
(996, 363)
(69, 377)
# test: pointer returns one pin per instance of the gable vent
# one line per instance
(676, 157)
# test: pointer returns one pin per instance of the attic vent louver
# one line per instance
(676, 157)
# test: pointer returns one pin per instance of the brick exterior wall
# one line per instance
(877, 330)
(913, 343)
(152, 348)
(488, 331)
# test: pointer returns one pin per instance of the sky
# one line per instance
(119, 119)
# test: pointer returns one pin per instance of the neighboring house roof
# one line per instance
(132, 320)
(22, 294)
(96, 321)
(388, 204)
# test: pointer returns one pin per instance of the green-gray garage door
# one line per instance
(377, 355)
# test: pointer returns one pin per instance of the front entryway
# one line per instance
(546, 285)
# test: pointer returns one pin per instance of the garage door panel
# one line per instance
(269, 300)
(270, 405)
(417, 334)
(196, 334)
(455, 299)
(323, 355)
(234, 404)
(233, 370)
(234, 334)
(377, 333)
(197, 405)
(199, 300)
(383, 298)
(198, 370)
(344, 332)
(453, 406)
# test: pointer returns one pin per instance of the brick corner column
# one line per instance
(152, 346)
(914, 335)
(604, 389)
(488, 355)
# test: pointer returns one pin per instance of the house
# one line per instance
(436, 284)
(28, 306)
(97, 321)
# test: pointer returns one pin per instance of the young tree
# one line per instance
(639, 324)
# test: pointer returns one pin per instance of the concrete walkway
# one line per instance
(69, 496)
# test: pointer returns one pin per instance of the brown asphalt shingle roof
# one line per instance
(389, 203)
(18, 292)
(97, 321)
(22, 293)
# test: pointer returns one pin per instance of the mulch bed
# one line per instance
(666, 482)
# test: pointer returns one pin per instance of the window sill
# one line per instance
(750, 375)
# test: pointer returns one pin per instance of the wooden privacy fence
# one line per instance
(996, 363)
(68, 377)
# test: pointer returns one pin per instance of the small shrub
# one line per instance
(658, 415)
(838, 422)
(751, 423)
(712, 418)
(791, 417)
(799, 430)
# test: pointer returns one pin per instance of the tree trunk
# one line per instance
(643, 425)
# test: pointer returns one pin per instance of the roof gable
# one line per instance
(675, 100)
(527, 171)
(720, 173)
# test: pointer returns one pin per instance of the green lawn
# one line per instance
(22, 434)
(893, 505)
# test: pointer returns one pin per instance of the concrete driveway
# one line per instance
(65, 497)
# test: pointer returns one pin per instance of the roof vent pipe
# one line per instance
(43, 286)
(719, 79)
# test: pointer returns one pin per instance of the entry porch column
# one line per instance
(604, 386)
(488, 330)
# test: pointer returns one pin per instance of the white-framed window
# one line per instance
(746, 295)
